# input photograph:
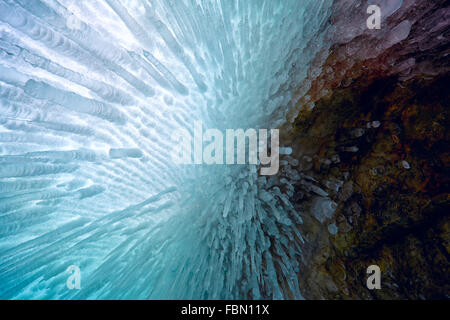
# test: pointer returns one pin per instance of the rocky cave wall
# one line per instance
(373, 134)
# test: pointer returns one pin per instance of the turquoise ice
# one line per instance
(91, 92)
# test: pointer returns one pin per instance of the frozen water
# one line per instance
(91, 92)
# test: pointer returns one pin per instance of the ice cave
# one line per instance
(91, 93)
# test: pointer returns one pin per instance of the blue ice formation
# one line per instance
(90, 94)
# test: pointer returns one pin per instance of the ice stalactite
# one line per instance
(91, 92)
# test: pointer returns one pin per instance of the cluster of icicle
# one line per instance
(91, 92)
(408, 44)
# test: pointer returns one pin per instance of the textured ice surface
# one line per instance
(91, 92)
(398, 49)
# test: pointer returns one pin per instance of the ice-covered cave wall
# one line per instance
(412, 41)
(91, 92)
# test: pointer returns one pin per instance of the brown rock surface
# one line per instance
(393, 200)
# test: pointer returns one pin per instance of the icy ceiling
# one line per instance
(91, 92)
